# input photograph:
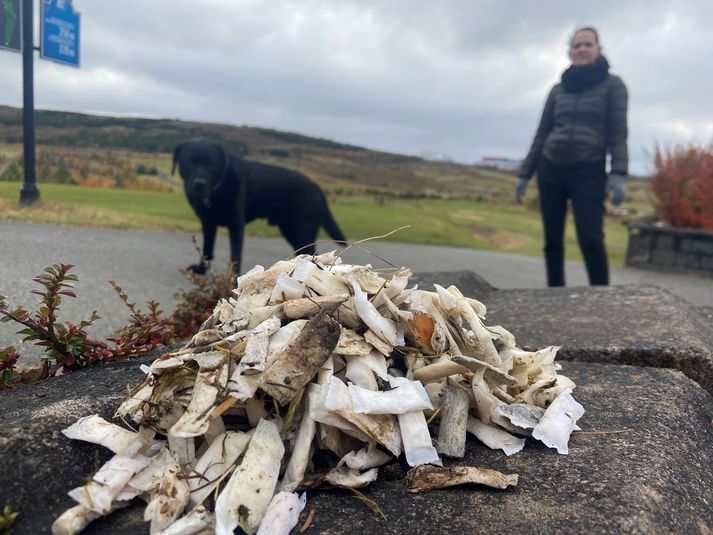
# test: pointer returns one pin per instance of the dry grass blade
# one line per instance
(308, 520)
(371, 504)
(435, 414)
(294, 404)
(358, 244)
(617, 431)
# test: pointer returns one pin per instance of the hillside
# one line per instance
(116, 151)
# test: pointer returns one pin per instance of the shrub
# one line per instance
(13, 173)
(683, 186)
(69, 347)
(145, 170)
(7, 518)
(8, 374)
(63, 176)
(197, 303)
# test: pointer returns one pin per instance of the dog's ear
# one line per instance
(176, 156)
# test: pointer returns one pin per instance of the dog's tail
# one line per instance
(330, 225)
(176, 157)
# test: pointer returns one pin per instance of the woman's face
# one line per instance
(584, 48)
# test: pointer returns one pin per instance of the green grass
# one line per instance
(498, 227)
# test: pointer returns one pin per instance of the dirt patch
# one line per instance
(467, 215)
(497, 237)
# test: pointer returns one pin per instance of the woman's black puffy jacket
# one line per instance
(582, 127)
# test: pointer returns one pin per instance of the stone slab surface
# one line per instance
(638, 324)
(642, 464)
(468, 282)
(641, 325)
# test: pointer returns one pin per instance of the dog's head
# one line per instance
(203, 165)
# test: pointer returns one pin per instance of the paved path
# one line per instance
(146, 263)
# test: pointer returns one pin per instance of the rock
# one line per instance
(644, 467)
(468, 282)
(40, 465)
(642, 463)
(642, 325)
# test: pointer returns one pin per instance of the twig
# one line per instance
(604, 432)
(224, 406)
(356, 244)
(308, 521)
(359, 242)
(371, 504)
(434, 415)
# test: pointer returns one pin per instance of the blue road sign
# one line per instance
(11, 25)
(59, 32)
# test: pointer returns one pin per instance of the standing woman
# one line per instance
(583, 120)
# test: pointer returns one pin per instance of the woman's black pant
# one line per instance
(585, 185)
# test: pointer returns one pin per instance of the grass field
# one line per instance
(500, 227)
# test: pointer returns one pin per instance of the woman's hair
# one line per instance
(585, 29)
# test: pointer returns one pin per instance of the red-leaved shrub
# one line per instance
(69, 347)
(683, 186)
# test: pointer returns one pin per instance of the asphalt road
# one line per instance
(146, 265)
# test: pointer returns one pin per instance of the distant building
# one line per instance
(500, 163)
(434, 156)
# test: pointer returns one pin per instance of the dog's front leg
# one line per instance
(209, 232)
(236, 231)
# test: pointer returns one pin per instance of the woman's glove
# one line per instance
(521, 188)
(616, 189)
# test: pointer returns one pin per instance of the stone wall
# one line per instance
(670, 248)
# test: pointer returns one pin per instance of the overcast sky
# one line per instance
(460, 78)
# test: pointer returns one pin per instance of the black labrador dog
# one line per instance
(226, 190)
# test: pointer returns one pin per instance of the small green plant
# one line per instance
(69, 347)
(8, 373)
(7, 518)
(197, 302)
(145, 331)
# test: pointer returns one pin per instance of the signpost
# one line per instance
(29, 193)
(59, 30)
(59, 41)
(11, 25)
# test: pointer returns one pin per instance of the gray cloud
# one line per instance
(457, 77)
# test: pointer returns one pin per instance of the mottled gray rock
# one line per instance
(707, 314)
(641, 325)
(468, 282)
(641, 464)
(40, 465)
